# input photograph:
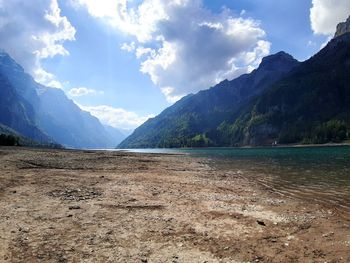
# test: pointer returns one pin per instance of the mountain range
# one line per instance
(45, 115)
(283, 101)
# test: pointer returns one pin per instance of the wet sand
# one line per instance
(96, 206)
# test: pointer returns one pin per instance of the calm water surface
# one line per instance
(319, 174)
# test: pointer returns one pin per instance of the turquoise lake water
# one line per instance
(320, 174)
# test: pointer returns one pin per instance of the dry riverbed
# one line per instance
(95, 206)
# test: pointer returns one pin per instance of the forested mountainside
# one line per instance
(283, 101)
(189, 121)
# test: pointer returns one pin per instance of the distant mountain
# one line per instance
(15, 110)
(46, 114)
(68, 124)
(283, 101)
(115, 134)
(23, 84)
(191, 120)
(126, 132)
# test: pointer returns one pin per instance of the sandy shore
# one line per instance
(88, 206)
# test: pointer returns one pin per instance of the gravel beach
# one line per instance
(100, 206)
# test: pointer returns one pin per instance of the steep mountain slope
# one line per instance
(68, 124)
(17, 113)
(310, 105)
(23, 84)
(189, 121)
(42, 113)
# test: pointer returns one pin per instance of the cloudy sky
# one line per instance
(127, 60)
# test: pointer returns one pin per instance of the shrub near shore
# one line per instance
(8, 140)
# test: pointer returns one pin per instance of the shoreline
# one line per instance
(112, 206)
(232, 147)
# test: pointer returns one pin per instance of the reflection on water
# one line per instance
(312, 173)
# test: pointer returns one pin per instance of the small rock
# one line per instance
(62, 259)
(74, 207)
(24, 230)
(258, 258)
(328, 234)
(262, 223)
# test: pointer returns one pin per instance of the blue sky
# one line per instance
(125, 61)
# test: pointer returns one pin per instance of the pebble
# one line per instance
(24, 230)
(74, 207)
(328, 234)
(262, 223)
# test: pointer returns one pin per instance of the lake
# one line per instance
(320, 174)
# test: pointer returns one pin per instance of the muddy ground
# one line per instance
(95, 206)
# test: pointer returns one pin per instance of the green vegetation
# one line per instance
(310, 105)
(8, 140)
(332, 131)
(205, 119)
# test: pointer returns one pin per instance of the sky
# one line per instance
(127, 60)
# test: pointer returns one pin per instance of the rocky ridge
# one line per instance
(343, 28)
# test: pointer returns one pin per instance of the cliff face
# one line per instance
(343, 28)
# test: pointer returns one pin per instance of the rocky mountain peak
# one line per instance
(343, 28)
(278, 61)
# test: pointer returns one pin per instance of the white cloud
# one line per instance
(243, 12)
(83, 91)
(183, 46)
(55, 84)
(139, 20)
(326, 14)
(128, 47)
(31, 32)
(141, 51)
(116, 117)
